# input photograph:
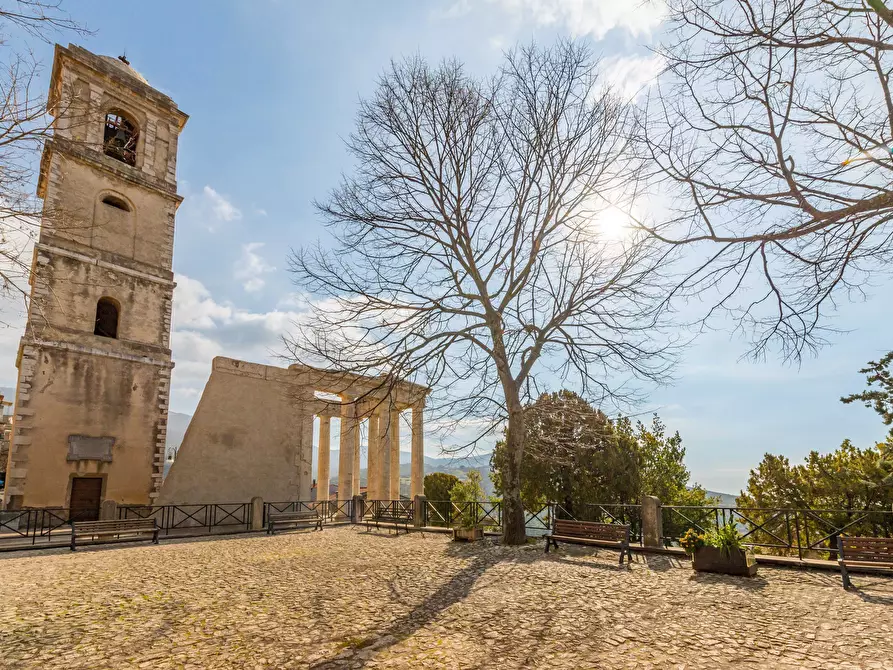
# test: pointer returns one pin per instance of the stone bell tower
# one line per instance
(95, 360)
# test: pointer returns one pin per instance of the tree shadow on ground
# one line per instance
(756, 583)
(875, 592)
(886, 599)
(662, 562)
(590, 552)
(568, 560)
(456, 589)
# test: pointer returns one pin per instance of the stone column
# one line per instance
(355, 480)
(417, 483)
(384, 452)
(373, 460)
(395, 454)
(346, 447)
(652, 522)
(322, 458)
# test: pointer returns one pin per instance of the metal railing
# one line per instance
(805, 533)
(808, 533)
(486, 514)
(35, 525)
(402, 507)
(190, 518)
(329, 510)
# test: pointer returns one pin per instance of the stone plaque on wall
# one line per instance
(84, 448)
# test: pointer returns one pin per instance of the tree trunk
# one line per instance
(513, 531)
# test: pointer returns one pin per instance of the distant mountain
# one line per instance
(725, 499)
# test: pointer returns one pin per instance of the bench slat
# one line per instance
(576, 539)
(590, 533)
(296, 516)
(866, 549)
(591, 530)
(123, 530)
(93, 526)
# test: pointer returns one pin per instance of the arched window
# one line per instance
(106, 318)
(118, 203)
(120, 138)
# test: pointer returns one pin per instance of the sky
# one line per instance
(272, 86)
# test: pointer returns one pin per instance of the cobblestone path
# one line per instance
(347, 599)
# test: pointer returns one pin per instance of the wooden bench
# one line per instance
(388, 517)
(590, 533)
(875, 553)
(308, 517)
(119, 530)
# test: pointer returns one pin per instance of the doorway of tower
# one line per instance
(86, 496)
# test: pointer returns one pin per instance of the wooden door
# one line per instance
(86, 496)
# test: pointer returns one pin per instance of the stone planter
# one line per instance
(468, 534)
(713, 559)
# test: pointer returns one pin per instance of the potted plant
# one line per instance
(720, 551)
(465, 496)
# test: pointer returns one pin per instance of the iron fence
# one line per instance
(329, 510)
(808, 533)
(397, 508)
(805, 533)
(190, 518)
(484, 513)
(35, 524)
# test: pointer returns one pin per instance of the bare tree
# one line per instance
(771, 134)
(24, 125)
(467, 251)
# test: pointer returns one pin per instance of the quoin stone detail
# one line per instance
(94, 363)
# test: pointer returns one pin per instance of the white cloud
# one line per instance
(208, 208)
(222, 208)
(204, 328)
(581, 17)
(630, 76)
(497, 43)
(251, 267)
(195, 308)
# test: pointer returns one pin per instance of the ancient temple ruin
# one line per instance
(252, 435)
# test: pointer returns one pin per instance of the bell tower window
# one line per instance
(120, 138)
(117, 203)
(106, 318)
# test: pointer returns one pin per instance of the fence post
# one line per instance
(652, 522)
(257, 513)
(418, 510)
(108, 511)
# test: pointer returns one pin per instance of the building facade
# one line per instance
(94, 363)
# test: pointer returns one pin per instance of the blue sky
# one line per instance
(271, 87)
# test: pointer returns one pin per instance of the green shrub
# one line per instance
(464, 492)
(725, 538)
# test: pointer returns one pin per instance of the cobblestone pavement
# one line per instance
(345, 598)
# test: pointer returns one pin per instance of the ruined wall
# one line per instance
(251, 435)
